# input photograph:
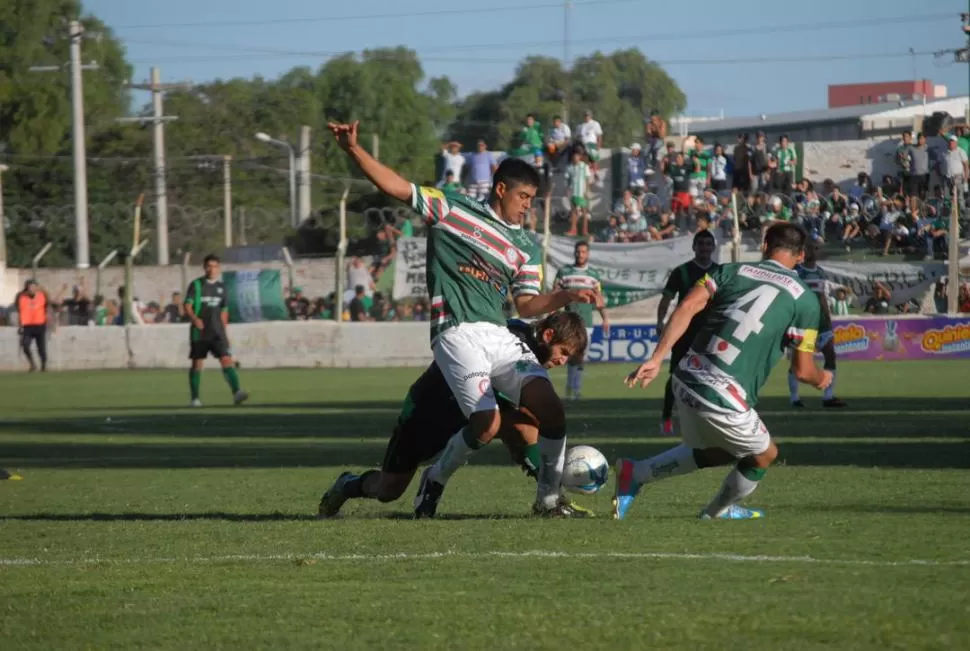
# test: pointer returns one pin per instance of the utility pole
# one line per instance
(75, 32)
(565, 60)
(158, 120)
(3, 223)
(303, 178)
(227, 198)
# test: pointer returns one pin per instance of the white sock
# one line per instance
(456, 454)
(552, 455)
(793, 387)
(735, 488)
(570, 381)
(829, 392)
(673, 462)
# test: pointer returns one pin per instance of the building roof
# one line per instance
(841, 114)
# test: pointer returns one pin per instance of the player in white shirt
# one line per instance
(590, 133)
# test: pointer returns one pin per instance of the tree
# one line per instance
(620, 88)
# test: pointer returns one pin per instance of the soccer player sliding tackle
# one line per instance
(478, 254)
(814, 277)
(682, 280)
(431, 415)
(754, 312)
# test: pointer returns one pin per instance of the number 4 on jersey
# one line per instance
(757, 302)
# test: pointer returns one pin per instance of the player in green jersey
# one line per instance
(208, 310)
(814, 277)
(682, 280)
(479, 255)
(579, 276)
(754, 312)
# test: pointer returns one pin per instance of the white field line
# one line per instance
(538, 554)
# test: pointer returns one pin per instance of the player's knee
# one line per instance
(484, 426)
(540, 399)
(762, 460)
(392, 486)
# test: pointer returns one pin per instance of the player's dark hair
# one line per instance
(703, 235)
(212, 257)
(790, 237)
(579, 244)
(567, 329)
(514, 172)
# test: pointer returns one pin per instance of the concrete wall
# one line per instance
(842, 160)
(303, 344)
(155, 283)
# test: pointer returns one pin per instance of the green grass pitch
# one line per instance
(142, 524)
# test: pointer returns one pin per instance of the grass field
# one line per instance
(142, 524)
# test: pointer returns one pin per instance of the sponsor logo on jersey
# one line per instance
(786, 282)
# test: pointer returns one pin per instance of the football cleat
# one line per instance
(579, 510)
(334, 498)
(734, 512)
(834, 403)
(239, 397)
(626, 488)
(195, 403)
(563, 509)
(429, 494)
(798, 404)
(667, 427)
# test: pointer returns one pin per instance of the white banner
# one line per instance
(410, 272)
(904, 280)
(630, 272)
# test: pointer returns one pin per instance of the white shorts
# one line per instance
(741, 433)
(480, 190)
(476, 358)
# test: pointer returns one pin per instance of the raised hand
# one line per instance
(345, 134)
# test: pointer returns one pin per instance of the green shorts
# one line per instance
(592, 152)
(579, 202)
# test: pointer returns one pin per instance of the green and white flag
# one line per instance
(255, 296)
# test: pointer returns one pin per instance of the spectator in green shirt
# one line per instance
(701, 163)
(450, 184)
(787, 160)
(530, 139)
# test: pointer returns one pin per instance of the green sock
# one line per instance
(195, 381)
(232, 377)
(532, 460)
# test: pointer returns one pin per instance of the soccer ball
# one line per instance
(586, 470)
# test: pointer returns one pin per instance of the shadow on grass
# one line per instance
(240, 517)
(362, 428)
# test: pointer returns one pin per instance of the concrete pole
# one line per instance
(158, 141)
(293, 216)
(227, 199)
(303, 180)
(3, 223)
(375, 146)
(81, 244)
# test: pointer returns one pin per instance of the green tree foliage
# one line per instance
(386, 89)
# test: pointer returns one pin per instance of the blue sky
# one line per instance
(477, 43)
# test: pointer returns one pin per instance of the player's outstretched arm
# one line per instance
(387, 180)
(805, 371)
(530, 305)
(688, 308)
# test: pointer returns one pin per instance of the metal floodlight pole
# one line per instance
(37, 258)
(262, 137)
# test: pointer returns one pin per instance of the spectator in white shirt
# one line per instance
(590, 134)
(955, 166)
(454, 161)
(358, 275)
(718, 169)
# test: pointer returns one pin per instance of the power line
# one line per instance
(693, 35)
(378, 16)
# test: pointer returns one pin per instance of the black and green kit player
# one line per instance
(208, 309)
(682, 280)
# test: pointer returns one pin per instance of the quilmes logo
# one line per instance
(851, 337)
(947, 340)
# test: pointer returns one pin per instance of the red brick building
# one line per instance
(878, 93)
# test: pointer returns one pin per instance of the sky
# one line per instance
(739, 57)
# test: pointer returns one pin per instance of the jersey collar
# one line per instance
(779, 265)
(495, 216)
(700, 266)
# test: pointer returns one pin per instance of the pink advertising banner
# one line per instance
(887, 339)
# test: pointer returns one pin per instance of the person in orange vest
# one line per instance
(32, 304)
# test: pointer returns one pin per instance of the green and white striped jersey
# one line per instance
(814, 277)
(474, 259)
(578, 177)
(755, 312)
(572, 277)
